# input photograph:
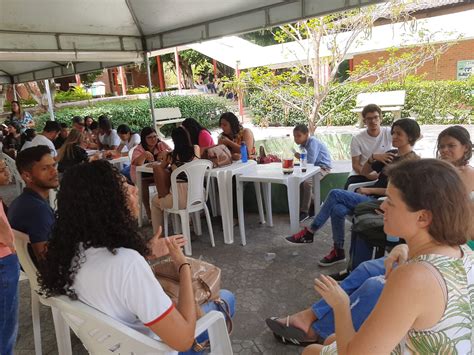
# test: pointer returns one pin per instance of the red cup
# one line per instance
(287, 165)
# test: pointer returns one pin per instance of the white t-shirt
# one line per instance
(112, 139)
(122, 286)
(134, 140)
(41, 140)
(364, 145)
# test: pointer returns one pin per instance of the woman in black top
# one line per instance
(72, 151)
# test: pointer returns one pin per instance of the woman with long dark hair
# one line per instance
(23, 118)
(184, 152)
(233, 135)
(199, 135)
(150, 149)
(103, 262)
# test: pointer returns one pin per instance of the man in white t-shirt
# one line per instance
(373, 140)
(108, 137)
(50, 133)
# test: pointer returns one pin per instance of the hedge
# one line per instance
(430, 102)
(136, 113)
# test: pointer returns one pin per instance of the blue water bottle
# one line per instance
(243, 152)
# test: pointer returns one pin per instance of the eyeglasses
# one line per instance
(152, 137)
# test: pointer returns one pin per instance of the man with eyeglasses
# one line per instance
(372, 143)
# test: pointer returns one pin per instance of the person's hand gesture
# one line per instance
(224, 140)
(332, 293)
(159, 247)
(174, 248)
(149, 156)
(398, 255)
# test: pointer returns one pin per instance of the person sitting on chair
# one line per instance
(233, 135)
(339, 203)
(30, 212)
(373, 143)
(103, 263)
(184, 152)
(151, 149)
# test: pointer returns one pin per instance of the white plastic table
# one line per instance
(224, 184)
(268, 174)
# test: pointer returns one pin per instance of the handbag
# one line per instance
(219, 154)
(267, 159)
(206, 282)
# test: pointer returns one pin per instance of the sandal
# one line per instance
(288, 333)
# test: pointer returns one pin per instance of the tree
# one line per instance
(324, 42)
(37, 90)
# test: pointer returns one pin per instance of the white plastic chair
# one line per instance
(101, 334)
(355, 186)
(196, 199)
(20, 184)
(63, 337)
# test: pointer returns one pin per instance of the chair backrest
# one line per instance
(196, 173)
(21, 246)
(102, 334)
(166, 113)
(386, 98)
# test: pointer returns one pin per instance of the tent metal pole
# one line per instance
(150, 90)
(15, 95)
(50, 101)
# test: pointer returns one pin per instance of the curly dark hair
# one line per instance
(233, 121)
(103, 204)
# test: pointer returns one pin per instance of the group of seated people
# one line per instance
(424, 301)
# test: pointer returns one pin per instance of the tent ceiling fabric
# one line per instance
(88, 33)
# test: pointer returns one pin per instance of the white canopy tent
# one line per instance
(54, 38)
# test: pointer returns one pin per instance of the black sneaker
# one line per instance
(336, 256)
(302, 237)
(341, 275)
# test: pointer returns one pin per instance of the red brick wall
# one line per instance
(444, 69)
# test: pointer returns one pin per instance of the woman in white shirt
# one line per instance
(103, 262)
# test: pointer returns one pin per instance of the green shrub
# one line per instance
(77, 93)
(136, 113)
(430, 102)
(23, 102)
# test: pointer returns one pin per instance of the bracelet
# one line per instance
(180, 266)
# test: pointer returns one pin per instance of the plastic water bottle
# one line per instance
(303, 159)
(243, 152)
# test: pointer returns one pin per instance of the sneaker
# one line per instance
(341, 275)
(303, 236)
(336, 256)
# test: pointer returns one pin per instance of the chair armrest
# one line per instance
(214, 322)
(354, 187)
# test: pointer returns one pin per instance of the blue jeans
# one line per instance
(364, 286)
(9, 274)
(339, 203)
(126, 172)
(211, 306)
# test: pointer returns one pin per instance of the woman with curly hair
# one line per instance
(103, 262)
(233, 135)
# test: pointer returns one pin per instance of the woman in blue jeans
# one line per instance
(363, 285)
(9, 274)
(340, 203)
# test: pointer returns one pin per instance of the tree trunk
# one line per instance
(187, 74)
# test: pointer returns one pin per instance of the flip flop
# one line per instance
(287, 333)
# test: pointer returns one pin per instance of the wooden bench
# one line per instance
(391, 101)
(165, 116)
